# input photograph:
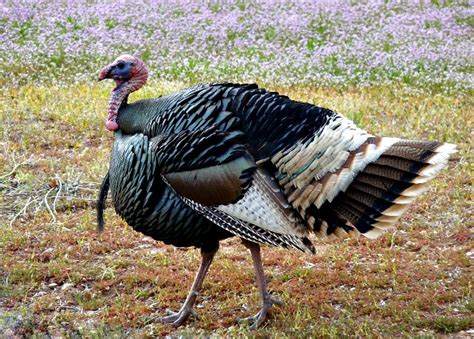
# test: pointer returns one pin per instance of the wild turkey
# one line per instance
(220, 160)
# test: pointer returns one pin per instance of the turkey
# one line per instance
(219, 160)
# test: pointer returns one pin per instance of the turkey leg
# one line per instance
(178, 318)
(267, 301)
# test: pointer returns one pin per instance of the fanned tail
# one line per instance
(383, 190)
(338, 177)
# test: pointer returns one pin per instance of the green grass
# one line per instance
(62, 278)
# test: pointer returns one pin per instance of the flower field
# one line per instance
(316, 43)
(401, 69)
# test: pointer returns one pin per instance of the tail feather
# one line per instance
(362, 219)
(401, 164)
(383, 183)
(370, 202)
(442, 153)
(381, 192)
(419, 144)
(357, 217)
(374, 191)
(390, 172)
(409, 152)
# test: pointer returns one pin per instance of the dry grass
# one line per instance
(59, 277)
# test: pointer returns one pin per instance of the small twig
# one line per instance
(57, 193)
(47, 205)
(88, 189)
(14, 169)
(28, 203)
(16, 194)
(71, 197)
(41, 199)
(74, 308)
(392, 239)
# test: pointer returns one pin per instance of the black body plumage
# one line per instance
(147, 204)
(202, 126)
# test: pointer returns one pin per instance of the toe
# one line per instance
(170, 312)
(168, 319)
(276, 302)
(255, 320)
(180, 321)
(178, 318)
(250, 319)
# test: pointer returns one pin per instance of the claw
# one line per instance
(170, 312)
(250, 319)
(255, 320)
(174, 313)
(178, 318)
(262, 315)
(277, 302)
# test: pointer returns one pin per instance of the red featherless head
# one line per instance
(130, 74)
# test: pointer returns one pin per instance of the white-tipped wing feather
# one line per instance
(265, 206)
(324, 153)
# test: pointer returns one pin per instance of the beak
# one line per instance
(105, 73)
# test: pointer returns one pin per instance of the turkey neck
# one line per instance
(120, 94)
(133, 118)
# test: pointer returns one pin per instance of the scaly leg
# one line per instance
(178, 318)
(267, 301)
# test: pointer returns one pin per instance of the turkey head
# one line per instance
(130, 74)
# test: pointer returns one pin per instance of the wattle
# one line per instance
(111, 125)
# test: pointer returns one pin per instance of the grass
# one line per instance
(59, 277)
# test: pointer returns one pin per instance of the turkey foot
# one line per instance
(178, 318)
(257, 319)
(267, 301)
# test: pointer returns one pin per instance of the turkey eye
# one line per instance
(121, 65)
